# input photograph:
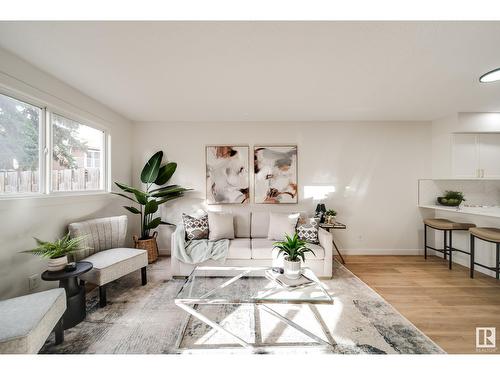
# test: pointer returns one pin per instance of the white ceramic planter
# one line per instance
(57, 264)
(292, 269)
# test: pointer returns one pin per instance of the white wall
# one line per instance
(47, 217)
(373, 166)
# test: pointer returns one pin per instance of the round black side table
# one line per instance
(75, 292)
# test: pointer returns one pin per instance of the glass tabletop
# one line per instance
(236, 285)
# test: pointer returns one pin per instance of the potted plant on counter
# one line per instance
(153, 176)
(57, 252)
(451, 198)
(294, 250)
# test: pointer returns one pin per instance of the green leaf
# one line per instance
(141, 197)
(132, 209)
(169, 191)
(153, 223)
(166, 223)
(124, 196)
(151, 207)
(165, 173)
(150, 171)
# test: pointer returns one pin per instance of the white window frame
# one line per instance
(104, 164)
(46, 144)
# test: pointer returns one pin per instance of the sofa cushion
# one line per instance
(281, 224)
(241, 224)
(259, 224)
(262, 248)
(196, 228)
(220, 226)
(308, 231)
(27, 321)
(239, 248)
(112, 264)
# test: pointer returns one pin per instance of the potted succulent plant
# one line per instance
(451, 198)
(330, 216)
(154, 175)
(57, 252)
(294, 250)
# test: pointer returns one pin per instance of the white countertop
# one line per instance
(483, 211)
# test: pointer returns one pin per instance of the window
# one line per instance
(76, 156)
(20, 145)
(40, 157)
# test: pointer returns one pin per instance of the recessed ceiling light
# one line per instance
(492, 76)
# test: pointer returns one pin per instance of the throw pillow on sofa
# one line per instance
(308, 231)
(196, 228)
(281, 224)
(221, 226)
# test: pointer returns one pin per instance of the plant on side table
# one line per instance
(57, 252)
(153, 175)
(294, 250)
(451, 198)
(330, 216)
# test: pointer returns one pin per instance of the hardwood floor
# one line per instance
(446, 305)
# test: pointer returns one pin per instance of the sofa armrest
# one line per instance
(175, 264)
(326, 242)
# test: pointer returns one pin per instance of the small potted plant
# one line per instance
(57, 252)
(330, 216)
(294, 250)
(451, 198)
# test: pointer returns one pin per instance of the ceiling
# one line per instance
(269, 71)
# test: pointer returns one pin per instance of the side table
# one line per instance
(75, 292)
(330, 227)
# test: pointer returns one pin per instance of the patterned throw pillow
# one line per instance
(196, 229)
(308, 231)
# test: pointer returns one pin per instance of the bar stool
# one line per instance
(446, 226)
(489, 235)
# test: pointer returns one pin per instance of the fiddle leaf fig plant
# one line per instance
(153, 176)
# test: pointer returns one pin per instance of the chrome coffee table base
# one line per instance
(189, 298)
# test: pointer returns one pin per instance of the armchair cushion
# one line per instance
(112, 264)
(100, 234)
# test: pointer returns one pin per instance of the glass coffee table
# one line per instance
(247, 285)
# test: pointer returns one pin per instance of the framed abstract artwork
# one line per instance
(227, 174)
(275, 174)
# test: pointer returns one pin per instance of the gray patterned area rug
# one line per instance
(146, 320)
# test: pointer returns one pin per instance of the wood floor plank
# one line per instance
(446, 305)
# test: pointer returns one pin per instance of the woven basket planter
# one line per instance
(149, 245)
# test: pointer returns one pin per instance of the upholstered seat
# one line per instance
(103, 246)
(239, 248)
(488, 234)
(445, 224)
(112, 264)
(27, 321)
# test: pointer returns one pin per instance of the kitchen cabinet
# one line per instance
(476, 155)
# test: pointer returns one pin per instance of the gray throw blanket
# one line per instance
(198, 251)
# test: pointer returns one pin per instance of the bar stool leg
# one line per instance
(471, 256)
(498, 261)
(444, 246)
(450, 247)
(425, 241)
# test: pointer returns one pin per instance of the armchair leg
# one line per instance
(59, 332)
(144, 276)
(102, 296)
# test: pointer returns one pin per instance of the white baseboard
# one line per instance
(381, 251)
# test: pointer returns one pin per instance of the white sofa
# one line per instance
(252, 248)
